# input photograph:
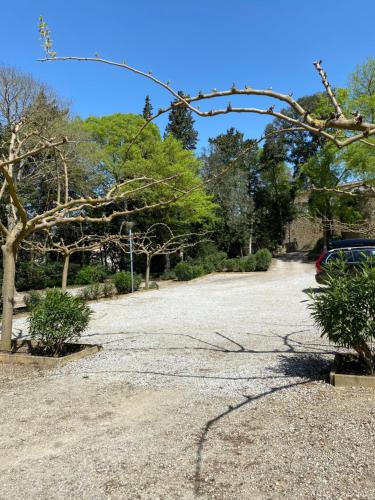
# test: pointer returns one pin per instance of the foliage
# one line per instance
(123, 281)
(344, 309)
(168, 275)
(58, 318)
(240, 264)
(212, 262)
(186, 272)
(32, 299)
(147, 110)
(230, 166)
(91, 274)
(248, 263)
(153, 285)
(263, 259)
(93, 291)
(181, 125)
(108, 289)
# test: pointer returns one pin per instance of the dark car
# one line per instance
(353, 252)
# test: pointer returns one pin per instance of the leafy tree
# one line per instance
(181, 125)
(362, 90)
(232, 190)
(147, 110)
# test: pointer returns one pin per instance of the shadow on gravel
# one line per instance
(309, 366)
(198, 479)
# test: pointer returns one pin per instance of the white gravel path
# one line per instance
(214, 389)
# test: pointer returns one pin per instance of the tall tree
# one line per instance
(147, 110)
(233, 189)
(181, 125)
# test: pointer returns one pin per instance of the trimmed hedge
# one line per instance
(186, 272)
(263, 259)
(123, 281)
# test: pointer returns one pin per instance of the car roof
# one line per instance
(351, 243)
(369, 247)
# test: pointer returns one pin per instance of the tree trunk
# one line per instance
(9, 275)
(167, 263)
(148, 267)
(64, 280)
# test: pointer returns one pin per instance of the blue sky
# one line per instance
(197, 45)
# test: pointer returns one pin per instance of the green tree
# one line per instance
(362, 90)
(147, 110)
(232, 190)
(181, 125)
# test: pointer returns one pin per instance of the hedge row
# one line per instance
(261, 261)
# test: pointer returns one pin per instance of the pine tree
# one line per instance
(181, 126)
(147, 110)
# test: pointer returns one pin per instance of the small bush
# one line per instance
(263, 259)
(186, 272)
(344, 309)
(58, 318)
(168, 275)
(212, 262)
(248, 263)
(91, 274)
(93, 291)
(32, 299)
(232, 265)
(153, 285)
(108, 289)
(123, 281)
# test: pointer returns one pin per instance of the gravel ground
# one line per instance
(213, 389)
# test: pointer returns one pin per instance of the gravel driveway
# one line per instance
(213, 389)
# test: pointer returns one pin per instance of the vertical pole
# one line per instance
(131, 257)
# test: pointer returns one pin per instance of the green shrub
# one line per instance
(263, 259)
(232, 265)
(58, 318)
(30, 276)
(186, 272)
(123, 281)
(108, 289)
(93, 291)
(168, 275)
(344, 309)
(91, 274)
(153, 285)
(32, 299)
(212, 262)
(248, 263)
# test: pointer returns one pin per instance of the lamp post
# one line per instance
(129, 226)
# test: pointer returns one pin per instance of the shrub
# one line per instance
(345, 309)
(91, 274)
(58, 318)
(212, 262)
(32, 299)
(108, 289)
(232, 265)
(30, 276)
(92, 292)
(168, 275)
(153, 285)
(186, 272)
(248, 263)
(263, 259)
(123, 281)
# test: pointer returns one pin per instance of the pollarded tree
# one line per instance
(32, 144)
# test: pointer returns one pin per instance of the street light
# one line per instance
(129, 226)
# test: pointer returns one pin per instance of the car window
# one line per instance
(343, 254)
(361, 254)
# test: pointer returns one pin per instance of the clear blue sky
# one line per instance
(197, 45)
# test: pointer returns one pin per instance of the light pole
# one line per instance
(129, 225)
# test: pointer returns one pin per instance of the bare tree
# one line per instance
(25, 136)
(87, 243)
(152, 243)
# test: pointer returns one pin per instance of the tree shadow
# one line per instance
(212, 422)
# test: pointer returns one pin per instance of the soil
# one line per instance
(350, 364)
